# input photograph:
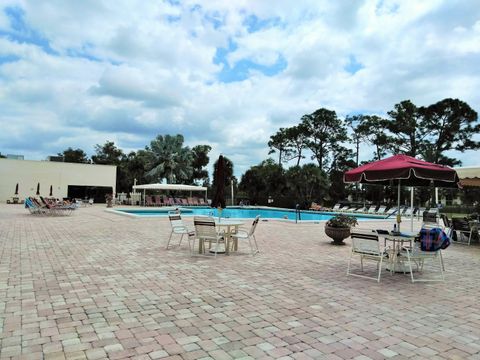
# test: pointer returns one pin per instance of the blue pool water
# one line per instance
(241, 213)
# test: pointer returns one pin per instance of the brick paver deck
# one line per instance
(98, 285)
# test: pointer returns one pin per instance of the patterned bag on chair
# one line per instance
(433, 239)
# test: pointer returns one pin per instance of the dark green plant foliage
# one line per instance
(342, 221)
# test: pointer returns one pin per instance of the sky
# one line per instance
(224, 73)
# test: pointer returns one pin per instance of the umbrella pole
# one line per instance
(398, 210)
(411, 208)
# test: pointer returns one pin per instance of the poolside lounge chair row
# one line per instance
(381, 210)
(46, 206)
(159, 200)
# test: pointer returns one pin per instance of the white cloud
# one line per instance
(127, 71)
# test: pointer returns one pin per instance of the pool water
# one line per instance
(241, 213)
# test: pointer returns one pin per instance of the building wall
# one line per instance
(58, 174)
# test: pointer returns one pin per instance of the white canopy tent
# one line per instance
(166, 187)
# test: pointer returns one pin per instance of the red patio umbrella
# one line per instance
(403, 170)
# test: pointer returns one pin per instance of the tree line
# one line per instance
(334, 145)
(327, 145)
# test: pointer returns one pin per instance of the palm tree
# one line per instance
(169, 159)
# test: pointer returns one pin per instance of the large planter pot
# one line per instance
(337, 234)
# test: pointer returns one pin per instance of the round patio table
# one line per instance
(230, 227)
(398, 240)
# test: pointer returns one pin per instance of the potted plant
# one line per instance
(338, 228)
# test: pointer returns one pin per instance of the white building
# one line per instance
(65, 179)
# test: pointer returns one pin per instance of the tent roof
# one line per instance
(469, 176)
(169, 187)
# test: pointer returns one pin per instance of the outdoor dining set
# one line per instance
(213, 235)
(403, 252)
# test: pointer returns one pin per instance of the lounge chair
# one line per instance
(56, 208)
(195, 201)
(148, 200)
(390, 212)
(158, 200)
(336, 207)
(372, 209)
(315, 206)
(34, 208)
(381, 210)
(408, 212)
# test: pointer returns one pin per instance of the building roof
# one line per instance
(469, 175)
(169, 187)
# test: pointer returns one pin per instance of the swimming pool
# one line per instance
(241, 213)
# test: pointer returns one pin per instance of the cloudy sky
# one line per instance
(225, 73)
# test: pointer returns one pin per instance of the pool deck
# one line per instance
(97, 285)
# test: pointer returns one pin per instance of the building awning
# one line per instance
(469, 176)
(169, 187)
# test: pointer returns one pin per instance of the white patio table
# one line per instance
(230, 226)
(398, 240)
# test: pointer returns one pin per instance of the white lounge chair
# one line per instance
(408, 212)
(336, 207)
(390, 212)
(372, 209)
(381, 210)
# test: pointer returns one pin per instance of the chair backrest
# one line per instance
(446, 220)
(204, 227)
(381, 209)
(429, 216)
(254, 225)
(365, 241)
(175, 220)
(460, 224)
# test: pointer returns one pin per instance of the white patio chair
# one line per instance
(178, 227)
(463, 230)
(244, 234)
(205, 231)
(417, 256)
(366, 245)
